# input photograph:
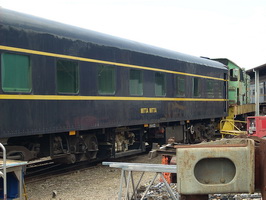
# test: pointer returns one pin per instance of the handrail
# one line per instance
(4, 171)
(234, 131)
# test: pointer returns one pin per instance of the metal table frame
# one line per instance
(158, 169)
(17, 168)
(7, 166)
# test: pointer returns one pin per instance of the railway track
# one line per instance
(46, 168)
(51, 170)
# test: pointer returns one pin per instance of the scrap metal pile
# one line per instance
(233, 169)
(159, 192)
(241, 160)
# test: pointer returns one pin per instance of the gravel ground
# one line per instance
(97, 183)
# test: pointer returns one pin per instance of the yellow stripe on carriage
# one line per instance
(99, 98)
(14, 49)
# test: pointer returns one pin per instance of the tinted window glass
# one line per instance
(180, 85)
(67, 76)
(218, 87)
(16, 73)
(196, 86)
(210, 87)
(135, 82)
(106, 79)
(160, 84)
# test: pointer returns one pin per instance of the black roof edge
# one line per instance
(261, 67)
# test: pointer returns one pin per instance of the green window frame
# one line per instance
(233, 74)
(210, 87)
(67, 76)
(196, 87)
(106, 80)
(160, 84)
(136, 82)
(16, 73)
(180, 85)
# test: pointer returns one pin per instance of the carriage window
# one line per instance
(210, 87)
(160, 87)
(219, 87)
(106, 79)
(16, 73)
(67, 76)
(180, 86)
(196, 86)
(136, 82)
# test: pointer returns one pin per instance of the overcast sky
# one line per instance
(234, 29)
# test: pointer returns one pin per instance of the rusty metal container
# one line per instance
(225, 166)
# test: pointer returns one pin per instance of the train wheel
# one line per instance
(71, 159)
(92, 146)
(68, 159)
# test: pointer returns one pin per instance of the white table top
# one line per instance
(143, 167)
(12, 163)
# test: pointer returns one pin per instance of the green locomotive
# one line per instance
(239, 103)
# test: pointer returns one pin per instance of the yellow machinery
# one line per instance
(230, 126)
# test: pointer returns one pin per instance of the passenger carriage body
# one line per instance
(79, 89)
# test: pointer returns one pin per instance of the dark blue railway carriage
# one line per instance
(67, 91)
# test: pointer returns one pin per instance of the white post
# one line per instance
(4, 170)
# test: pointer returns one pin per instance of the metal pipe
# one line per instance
(121, 184)
(257, 92)
(4, 170)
